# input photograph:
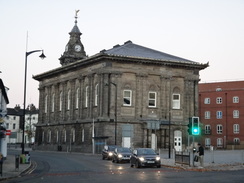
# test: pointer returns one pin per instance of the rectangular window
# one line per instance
(69, 100)
(53, 102)
(207, 101)
(236, 128)
(176, 101)
(127, 97)
(235, 114)
(219, 114)
(207, 129)
(45, 109)
(207, 114)
(152, 99)
(207, 142)
(14, 126)
(83, 135)
(235, 99)
(236, 141)
(219, 142)
(219, 100)
(219, 129)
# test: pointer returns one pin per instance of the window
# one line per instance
(236, 141)
(43, 136)
(49, 133)
(69, 100)
(96, 94)
(73, 135)
(53, 101)
(176, 101)
(57, 137)
(219, 100)
(83, 135)
(219, 114)
(235, 114)
(64, 136)
(218, 89)
(60, 101)
(127, 97)
(45, 107)
(152, 99)
(235, 99)
(14, 126)
(207, 142)
(207, 101)
(236, 128)
(207, 129)
(219, 129)
(207, 114)
(77, 98)
(219, 142)
(86, 95)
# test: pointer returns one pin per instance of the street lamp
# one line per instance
(42, 56)
(115, 112)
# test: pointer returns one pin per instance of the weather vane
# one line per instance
(76, 13)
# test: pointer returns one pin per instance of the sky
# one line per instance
(199, 30)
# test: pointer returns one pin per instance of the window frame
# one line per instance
(219, 114)
(129, 98)
(236, 113)
(152, 100)
(235, 99)
(175, 102)
(219, 100)
(236, 128)
(207, 115)
(219, 129)
(207, 101)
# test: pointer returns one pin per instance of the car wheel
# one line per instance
(137, 164)
(103, 158)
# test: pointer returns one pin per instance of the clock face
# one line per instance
(77, 48)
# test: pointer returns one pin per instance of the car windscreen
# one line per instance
(124, 150)
(146, 151)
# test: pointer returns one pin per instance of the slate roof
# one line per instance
(129, 49)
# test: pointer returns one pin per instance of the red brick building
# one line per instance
(221, 112)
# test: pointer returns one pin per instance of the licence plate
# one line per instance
(150, 162)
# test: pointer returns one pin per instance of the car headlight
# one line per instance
(141, 159)
(157, 158)
(110, 154)
(120, 156)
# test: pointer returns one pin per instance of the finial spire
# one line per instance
(76, 15)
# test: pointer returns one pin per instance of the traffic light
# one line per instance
(195, 126)
(189, 130)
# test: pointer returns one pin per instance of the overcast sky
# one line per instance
(199, 30)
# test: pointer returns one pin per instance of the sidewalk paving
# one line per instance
(219, 160)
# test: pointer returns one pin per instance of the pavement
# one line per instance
(217, 160)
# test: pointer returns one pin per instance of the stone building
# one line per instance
(129, 95)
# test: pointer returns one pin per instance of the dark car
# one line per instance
(108, 151)
(143, 157)
(121, 154)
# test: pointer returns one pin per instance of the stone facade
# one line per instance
(117, 98)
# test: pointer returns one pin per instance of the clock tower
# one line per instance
(74, 49)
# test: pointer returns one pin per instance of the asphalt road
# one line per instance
(60, 167)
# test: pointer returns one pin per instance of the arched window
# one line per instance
(60, 101)
(86, 95)
(45, 107)
(64, 136)
(53, 102)
(69, 100)
(96, 95)
(77, 98)
(49, 136)
(72, 135)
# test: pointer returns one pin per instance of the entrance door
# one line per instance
(126, 141)
(154, 141)
(178, 140)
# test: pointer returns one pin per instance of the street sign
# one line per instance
(8, 132)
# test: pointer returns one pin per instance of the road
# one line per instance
(60, 167)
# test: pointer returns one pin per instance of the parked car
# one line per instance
(107, 152)
(121, 154)
(143, 157)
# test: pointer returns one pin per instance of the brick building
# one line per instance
(221, 109)
(129, 95)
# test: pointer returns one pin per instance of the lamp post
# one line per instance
(42, 56)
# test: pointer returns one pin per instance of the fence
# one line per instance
(182, 158)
